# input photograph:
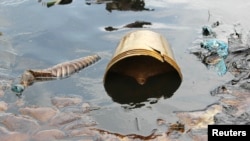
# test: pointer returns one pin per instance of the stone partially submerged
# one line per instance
(42, 114)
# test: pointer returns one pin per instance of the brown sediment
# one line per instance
(176, 127)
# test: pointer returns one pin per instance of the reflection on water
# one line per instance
(136, 24)
(55, 2)
(12, 2)
(120, 5)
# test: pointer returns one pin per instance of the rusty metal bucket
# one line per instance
(143, 66)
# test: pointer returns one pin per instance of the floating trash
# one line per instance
(214, 61)
(143, 67)
(221, 67)
(59, 71)
(214, 45)
(218, 51)
(206, 31)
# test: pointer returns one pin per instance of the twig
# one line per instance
(137, 124)
(208, 16)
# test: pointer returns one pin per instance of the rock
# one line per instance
(86, 107)
(15, 137)
(1, 92)
(12, 136)
(82, 132)
(64, 118)
(3, 106)
(19, 102)
(39, 113)
(19, 123)
(85, 121)
(61, 102)
(48, 135)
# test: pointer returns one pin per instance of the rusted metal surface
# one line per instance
(143, 66)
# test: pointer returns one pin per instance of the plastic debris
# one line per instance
(220, 49)
(221, 67)
(217, 46)
(206, 31)
(59, 71)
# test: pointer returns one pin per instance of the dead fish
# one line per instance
(59, 71)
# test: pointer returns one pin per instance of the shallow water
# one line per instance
(38, 37)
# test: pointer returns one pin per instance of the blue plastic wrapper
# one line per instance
(18, 88)
(215, 45)
(221, 67)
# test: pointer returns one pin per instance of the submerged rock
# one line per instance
(39, 113)
(64, 118)
(48, 135)
(15, 136)
(82, 132)
(61, 102)
(6, 135)
(19, 123)
(80, 123)
(3, 106)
